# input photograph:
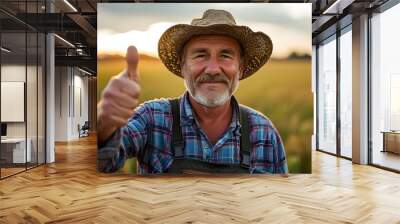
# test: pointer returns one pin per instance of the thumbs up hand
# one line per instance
(119, 98)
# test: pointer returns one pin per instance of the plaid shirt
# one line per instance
(151, 125)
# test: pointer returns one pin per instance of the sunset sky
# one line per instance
(141, 24)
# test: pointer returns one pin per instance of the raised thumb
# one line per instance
(132, 61)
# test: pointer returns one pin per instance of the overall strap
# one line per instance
(177, 139)
(245, 145)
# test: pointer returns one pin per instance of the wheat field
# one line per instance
(281, 90)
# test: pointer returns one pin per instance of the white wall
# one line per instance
(71, 94)
(14, 73)
(61, 103)
(17, 73)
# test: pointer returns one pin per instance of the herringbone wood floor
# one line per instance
(71, 191)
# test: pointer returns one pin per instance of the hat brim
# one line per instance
(256, 46)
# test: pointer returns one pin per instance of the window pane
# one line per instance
(327, 96)
(31, 97)
(345, 94)
(14, 152)
(386, 89)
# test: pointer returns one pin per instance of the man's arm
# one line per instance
(280, 159)
(116, 110)
(119, 98)
(125, 142)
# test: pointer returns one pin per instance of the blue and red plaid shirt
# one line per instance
(150, 128)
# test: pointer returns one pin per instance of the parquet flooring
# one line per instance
(71, 191)
(9, 171)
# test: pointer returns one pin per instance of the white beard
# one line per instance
(212, 102)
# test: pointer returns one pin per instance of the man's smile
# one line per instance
(212, 82)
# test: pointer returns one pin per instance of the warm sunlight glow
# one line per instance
(145, 41)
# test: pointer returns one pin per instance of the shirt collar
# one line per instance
(188, 117)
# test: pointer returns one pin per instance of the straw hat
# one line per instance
(257, 46)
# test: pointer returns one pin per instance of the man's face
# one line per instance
(211, 68)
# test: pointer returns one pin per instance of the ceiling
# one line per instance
(328, 16)
(76, 21)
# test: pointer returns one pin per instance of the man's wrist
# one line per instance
(104, 132)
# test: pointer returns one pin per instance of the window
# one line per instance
(346, 93)
(385, 88)
(395, 102)
(327, 96)
(22, 76)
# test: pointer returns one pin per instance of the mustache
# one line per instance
(212, 78)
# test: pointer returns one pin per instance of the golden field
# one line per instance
(281, 90)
